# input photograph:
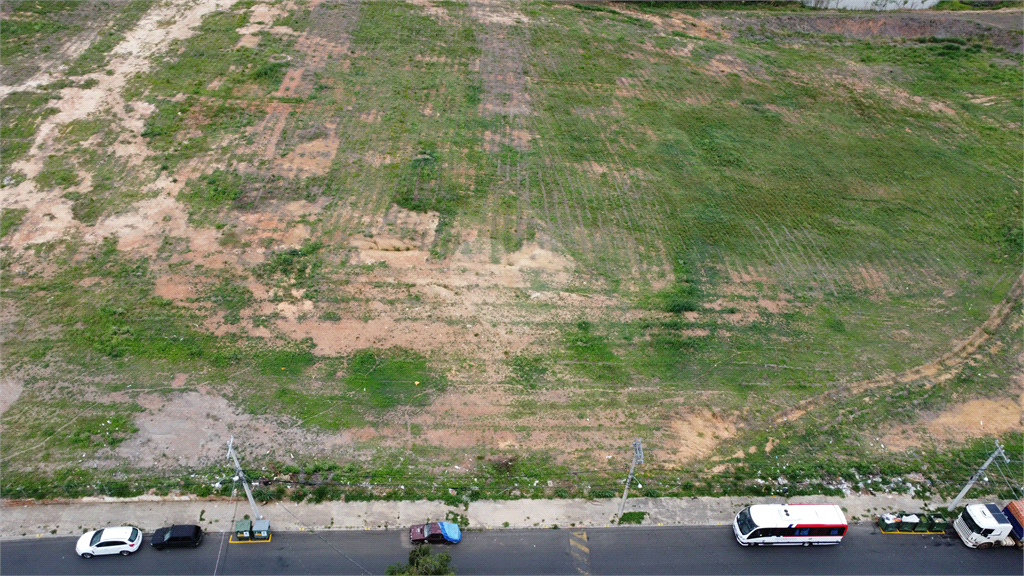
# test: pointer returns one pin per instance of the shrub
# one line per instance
(421, 561)
(632, 517)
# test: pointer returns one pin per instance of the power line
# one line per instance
(998, 452)
(317, 534)
(1007, 480)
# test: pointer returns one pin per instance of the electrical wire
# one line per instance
(1007, 480)
(317, 534)
(220, 550)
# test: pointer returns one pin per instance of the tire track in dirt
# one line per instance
(504, 96)
(634, 253)
(939, 370)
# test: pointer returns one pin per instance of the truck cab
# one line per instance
(984, 526)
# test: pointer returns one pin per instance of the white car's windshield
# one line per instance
(96, 538)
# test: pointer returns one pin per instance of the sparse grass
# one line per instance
(43, 428)
(95, 56)
(21, 114)
(528, 370)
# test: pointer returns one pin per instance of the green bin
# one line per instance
(925, 524)
(939, 524)
(243, 530)
(887, 526)
(903, 525)
(261, 530)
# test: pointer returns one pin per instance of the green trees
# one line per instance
(422, 562)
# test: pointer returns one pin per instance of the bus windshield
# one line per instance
(745, 522)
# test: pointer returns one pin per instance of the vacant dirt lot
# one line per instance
(572, 217)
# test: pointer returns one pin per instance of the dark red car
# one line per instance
(435, 533)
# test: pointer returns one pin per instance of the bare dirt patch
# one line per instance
(518, 139)
(10, 391)
(973, 419)
(697, 435)
(724, 64)
(397, 230)
(192, 429)
(310, 158)
(676, 22)
(496, 12)
(428, 7)
(1001, 27)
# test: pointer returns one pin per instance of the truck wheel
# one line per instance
(984, 546)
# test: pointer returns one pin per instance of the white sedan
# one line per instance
(121, 540)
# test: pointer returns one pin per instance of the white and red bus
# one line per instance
(789, 524)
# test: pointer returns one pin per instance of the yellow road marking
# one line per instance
(232, 540)
(581, 553)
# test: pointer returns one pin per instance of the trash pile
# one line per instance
(912, 523)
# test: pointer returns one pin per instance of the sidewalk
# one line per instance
(20, 520)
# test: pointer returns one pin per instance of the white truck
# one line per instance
(986, 526)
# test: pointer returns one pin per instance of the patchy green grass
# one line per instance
(20, 116)
(10, 219)
(394, 377)
(31, 22)
(95, 56)
(42, 429)
(58, 172)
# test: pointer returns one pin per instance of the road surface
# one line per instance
(624, 550)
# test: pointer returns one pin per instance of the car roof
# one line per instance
(183, 529)
(116, 533)
(783, 515)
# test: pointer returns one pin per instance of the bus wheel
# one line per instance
(807, 543)
(984, 546)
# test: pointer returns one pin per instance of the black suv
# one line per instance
(177, 536)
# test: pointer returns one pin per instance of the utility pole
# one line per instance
(638, 458)
(245, 483)
(970, 483)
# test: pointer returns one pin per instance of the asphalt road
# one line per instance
(627, 550)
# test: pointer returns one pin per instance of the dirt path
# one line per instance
(939, 370)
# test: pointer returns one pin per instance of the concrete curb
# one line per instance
(23, 520)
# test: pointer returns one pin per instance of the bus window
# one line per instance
(803, 531)
(836, 532)
(745, 522)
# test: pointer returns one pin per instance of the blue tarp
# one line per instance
(451, 532)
